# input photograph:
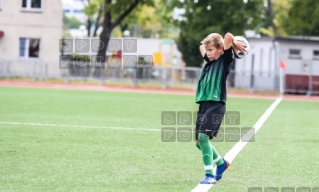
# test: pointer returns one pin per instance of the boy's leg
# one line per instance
(206, 152)
(215, 114)
(217, 159)
(206, 128)
(221, 163)
(207, 155)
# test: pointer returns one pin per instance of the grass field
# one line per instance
(72, 140)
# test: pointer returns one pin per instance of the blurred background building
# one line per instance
(168, 31)
(259, 70)
(74, 8)
(31, 30)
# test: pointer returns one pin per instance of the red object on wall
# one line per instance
(283, 64)
(1, 33)
(119, 54)
(300, 84)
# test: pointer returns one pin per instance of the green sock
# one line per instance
(206, 152)
(217, 159)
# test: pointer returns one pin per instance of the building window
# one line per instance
(66, 10)
(78, 11)
(31, 5)
(316, 54)
(29, 48)
(294, 54)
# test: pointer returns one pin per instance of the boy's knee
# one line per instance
(202, 137)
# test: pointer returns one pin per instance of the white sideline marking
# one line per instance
(78, 126)
(233, 152)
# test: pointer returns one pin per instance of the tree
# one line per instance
(114, 13)
(203, 17)
(98, 18)
(151, 21)
(291, 17)
(276, 14)
(93, 10)
(304, 19)
(89, 11)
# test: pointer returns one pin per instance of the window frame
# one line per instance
(294, 56)
(315, 57)
(29, 8)
(26, 49)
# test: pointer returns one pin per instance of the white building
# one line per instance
(259, 70)
(31, 30)
(74, 8)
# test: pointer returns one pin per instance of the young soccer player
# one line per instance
(211, 97)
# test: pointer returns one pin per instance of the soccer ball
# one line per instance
(239, 54)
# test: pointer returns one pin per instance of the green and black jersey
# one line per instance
(212, 81)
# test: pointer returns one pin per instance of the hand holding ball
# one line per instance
(241, 47)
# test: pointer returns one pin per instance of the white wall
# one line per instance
(295, 65)
(264, 56)
(45, 25)
(264, 69)
(266, 66)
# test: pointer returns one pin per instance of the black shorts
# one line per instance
(209, 117)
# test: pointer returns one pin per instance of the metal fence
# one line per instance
(164, 77)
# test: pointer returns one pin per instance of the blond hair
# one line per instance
(215, 39)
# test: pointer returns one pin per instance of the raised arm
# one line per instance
(229, 40)
(202, 50)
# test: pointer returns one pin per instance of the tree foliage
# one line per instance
(276, 18)
(152, 21)
(114, 13)
(147, 20)
(292, 17)
(304, 18)
(70, 23)
(203, 17)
